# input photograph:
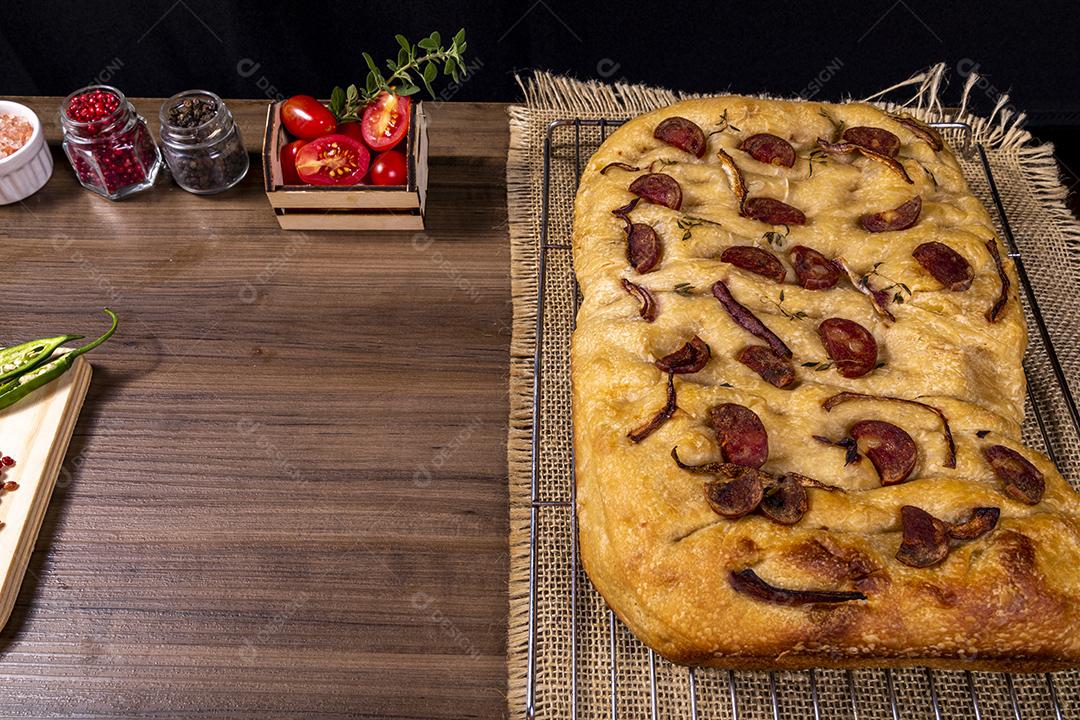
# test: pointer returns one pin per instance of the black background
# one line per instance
(163, 46)
(250, 49)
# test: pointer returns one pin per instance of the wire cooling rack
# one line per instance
(629, 679)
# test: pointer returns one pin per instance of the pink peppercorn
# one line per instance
(93, 105)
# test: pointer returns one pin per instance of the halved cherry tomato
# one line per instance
(333, 160)
(307, 118)
(288, 162)
(389, 168)
(385, 121)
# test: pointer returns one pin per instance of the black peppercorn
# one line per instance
(192, 112)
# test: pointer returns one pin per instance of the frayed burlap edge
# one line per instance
(559, 96)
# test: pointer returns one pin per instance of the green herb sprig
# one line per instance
(816, 156)
(796, 315)
(723, 124)
(775, 238)
(415, 66)
(901, 291)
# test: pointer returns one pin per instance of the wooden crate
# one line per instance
(357, 207)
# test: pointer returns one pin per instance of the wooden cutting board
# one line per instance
(35, 433)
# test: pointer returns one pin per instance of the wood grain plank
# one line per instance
(286, 495)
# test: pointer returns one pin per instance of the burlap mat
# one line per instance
(1049, 238)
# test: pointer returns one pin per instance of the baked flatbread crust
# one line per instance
(653, 547)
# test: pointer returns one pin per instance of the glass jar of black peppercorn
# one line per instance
(202, 144)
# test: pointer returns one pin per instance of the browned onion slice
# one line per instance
(728, 470)
(773, 368)
(786, 501)
(648, 302)
(660, 417)
(659, 189)
(872, 138)
(809, 482)
(740, 434)
(921, 130)
(981, 521)
(849, 345)
(747, 582)
(643, 248)
(772, 211)
(879, 299)
(690, 358)
(735, 498)
(623, 213)
(946, 265)
(619, 165)
(681, 133)
(900, 217)
(735, 177)
(769, 149)
(747, 320)
(842, 148)
(1023, 481)
(994, 313)
(926, 539)
(814, 270)
(950, 456)
(890, 449)
(755, 260)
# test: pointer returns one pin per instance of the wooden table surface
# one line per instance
(286, 495)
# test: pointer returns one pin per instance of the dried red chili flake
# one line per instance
(661, 417)
(7, 461)
(11, 485)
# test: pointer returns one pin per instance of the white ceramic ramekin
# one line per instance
(26, 170)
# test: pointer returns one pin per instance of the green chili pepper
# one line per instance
(15, 390)
(17, 359)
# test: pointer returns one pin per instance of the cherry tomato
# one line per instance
(385, 121)
(389, 168)
(333, 160)
(352, 129)
(288, 162)
(307, 118)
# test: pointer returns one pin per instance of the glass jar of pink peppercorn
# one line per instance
(108, 143)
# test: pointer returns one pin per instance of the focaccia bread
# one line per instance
(797, 398)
